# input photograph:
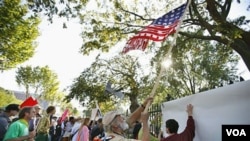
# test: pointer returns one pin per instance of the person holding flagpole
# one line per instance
(115, 124)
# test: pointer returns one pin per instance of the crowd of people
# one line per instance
(32, 125)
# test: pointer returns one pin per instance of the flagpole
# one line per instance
(152, 94)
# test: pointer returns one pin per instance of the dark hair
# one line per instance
(172, 125)
(71, 118)
(50, 109)
(12, 107)
(23, 111)
(99, 120)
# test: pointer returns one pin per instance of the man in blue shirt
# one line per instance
(10, 110)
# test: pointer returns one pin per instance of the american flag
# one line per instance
(158, 30)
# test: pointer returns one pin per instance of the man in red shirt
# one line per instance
(172, 128)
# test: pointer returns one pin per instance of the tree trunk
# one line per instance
(242, 46)
(134, 104)
(27, 92)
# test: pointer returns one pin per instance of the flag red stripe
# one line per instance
(159, 30)
(157, 33)
(151, 32)
(155, 36)
(135, 43)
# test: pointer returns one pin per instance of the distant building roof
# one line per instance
(19, 95)
(22, 96)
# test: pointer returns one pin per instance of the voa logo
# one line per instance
(236, 132)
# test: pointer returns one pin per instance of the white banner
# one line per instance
(212, 109)
(95, 114)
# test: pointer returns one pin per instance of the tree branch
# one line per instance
(201, 20)
(136, 15)
(216, 38)
(226, 8)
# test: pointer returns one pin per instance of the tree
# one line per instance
(41, 79)
(125, 73)
(52, 8)
(199, 66)
(208, 16)
(18, 32)
(211, 17)
(6, 97)
(111, 21)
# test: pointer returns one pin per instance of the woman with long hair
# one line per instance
(83, 133)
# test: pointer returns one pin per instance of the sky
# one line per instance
(59, 49)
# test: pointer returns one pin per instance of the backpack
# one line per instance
(58, 130)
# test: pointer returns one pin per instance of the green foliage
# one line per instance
(125, 73)
(18, 32)
(213, 18)
(6, 97)
(199, 65)
(51, 8)
(41, 79)
(196, 67)
(112, 21)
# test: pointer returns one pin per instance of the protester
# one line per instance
(115, 124)
(34, 121)
(152, 136)
(83, 133)
(10, 110)
(63, 126)
(19, 130)
(75, 128)
(172, 128)
(44, 124)
(136, 129)
(97, 130)
(68, 128)
(58, 134)
(52, 129)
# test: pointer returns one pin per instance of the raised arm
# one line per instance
(137, 113)
(190, 128)
(190, 110)
(145, 126)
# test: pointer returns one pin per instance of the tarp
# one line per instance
(212, 109)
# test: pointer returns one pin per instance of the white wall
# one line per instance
(225, 105)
